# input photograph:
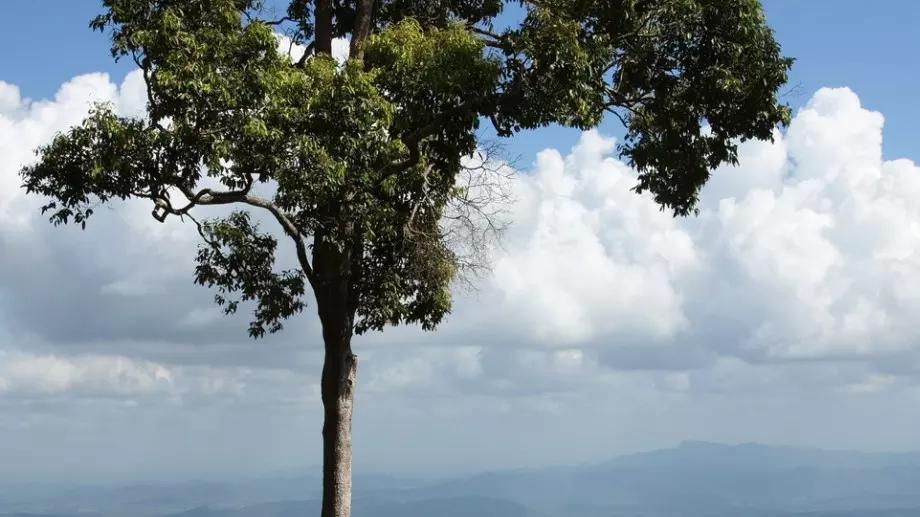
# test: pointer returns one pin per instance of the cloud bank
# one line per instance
(783, 313)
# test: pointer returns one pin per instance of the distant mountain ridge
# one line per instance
(749, 455)
(708, 477)
(693, 479)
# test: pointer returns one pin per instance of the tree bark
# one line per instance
(361, 29)
(323, 27)
(332, 269)
(338, 393)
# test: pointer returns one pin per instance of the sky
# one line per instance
(783, 314)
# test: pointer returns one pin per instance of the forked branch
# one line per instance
(207, 196)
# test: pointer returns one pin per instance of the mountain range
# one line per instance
(694, 479)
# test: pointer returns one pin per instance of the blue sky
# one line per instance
(870, 49)
(785, 313)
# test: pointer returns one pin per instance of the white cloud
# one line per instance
(429, 370)
(24, 124)
(29, 375)
(587, 258)
(341, 48)
(9, 98)
(810, 256)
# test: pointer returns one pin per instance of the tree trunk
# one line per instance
(338, 392)
(337, 315)
(323, 27)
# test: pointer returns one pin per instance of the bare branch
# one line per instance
(478, 216)
(277, 22)
(794, 92)
(618, 115)
(491, 39)
(201, 232)
(484, 32)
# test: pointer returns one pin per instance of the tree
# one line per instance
(364, 157)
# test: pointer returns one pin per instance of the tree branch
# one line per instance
(619, 116)
(494, 40)
(412, 140)
(207, 196)
(478, 214)
(484, 32)
(277, 22)
(307, 52)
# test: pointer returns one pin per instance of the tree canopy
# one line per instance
(366, 155)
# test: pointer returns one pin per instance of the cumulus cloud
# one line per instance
(606, 260)
(805, 251)
(796, 284)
